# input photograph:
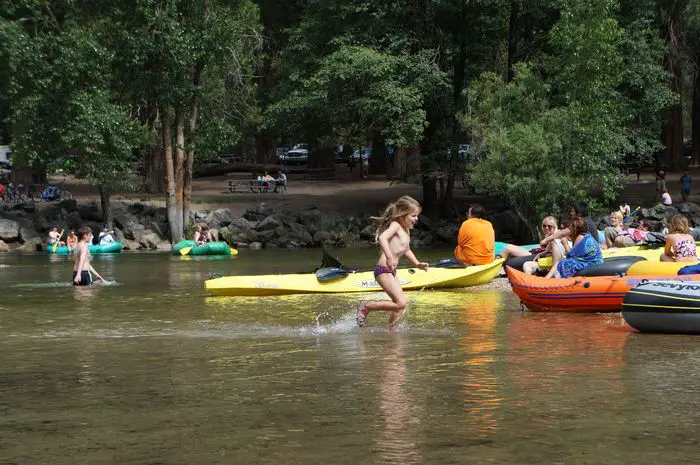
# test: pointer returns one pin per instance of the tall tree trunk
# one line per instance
(673, 125)
(105, 203)
(696, 114)
(176, 235)
(189, 163)
(179, 164)
(377, 162)
(430, 201)
(152, 161)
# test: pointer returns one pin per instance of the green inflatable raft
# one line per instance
(210, 248)
(114, 247)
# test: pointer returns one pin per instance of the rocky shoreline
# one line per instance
(139, 226)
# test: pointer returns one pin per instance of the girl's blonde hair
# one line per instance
(678, 224)
(402, 207)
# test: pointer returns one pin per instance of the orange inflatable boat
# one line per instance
(594, 294)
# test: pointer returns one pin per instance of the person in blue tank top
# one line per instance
(585, 252)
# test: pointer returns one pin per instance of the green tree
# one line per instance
(559, 131)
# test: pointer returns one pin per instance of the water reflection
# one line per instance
(397, 438)
(481, 382)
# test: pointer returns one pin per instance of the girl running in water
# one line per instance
(394, 238)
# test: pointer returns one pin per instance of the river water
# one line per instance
(151, 370)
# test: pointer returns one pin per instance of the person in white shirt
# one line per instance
(666, 198)
(106, 237)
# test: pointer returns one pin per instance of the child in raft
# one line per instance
(680, 245)
(394, 238)
(82, 270)
(71, 241)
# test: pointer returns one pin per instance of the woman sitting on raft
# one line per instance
(584, 254)
(680, 245)
(549, 226)
(557, 248)
(614, 230)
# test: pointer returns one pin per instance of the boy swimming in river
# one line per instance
(394, 238)
(82, 270)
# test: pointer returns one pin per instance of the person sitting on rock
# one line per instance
(666, 198)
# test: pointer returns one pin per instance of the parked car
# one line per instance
(298, 155)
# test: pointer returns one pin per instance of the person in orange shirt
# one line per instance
(477, 239)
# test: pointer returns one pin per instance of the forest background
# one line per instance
(554, 97)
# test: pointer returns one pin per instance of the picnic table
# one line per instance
(252, 185)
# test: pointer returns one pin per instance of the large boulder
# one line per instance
(243, 224)
(90, 212)
(69, 205)
(258, 213)
(27, 233)
(322, 237)
(9, 230)
(219, 218)
(29, 206)
(128, 224)
(690, 209)
(299, 231)
(131, 245)
(4, 247)
(447, 233)
(267, 235)
(150, 240)
(311, 218)
(32, 245)
(659, 212)
(267, 224)
(74, 220)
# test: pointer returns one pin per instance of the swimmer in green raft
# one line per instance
(82, 270)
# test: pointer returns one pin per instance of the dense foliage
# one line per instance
(554, 96)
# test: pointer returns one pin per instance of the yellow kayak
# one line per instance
(657, 268)
(361, 281)
(636, 251)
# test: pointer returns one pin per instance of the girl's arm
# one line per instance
(578, 239)
(556, 235)
(670, 240)
(97, 275)
(384, 243)
(412, 258)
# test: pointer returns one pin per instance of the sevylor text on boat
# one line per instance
(113, 247)
(351, 281)
(663, 307)
(210, 248)
(579, 294)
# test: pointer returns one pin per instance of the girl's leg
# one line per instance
(666, 258)
(392, 286)
(530, 267)
(556, 256)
